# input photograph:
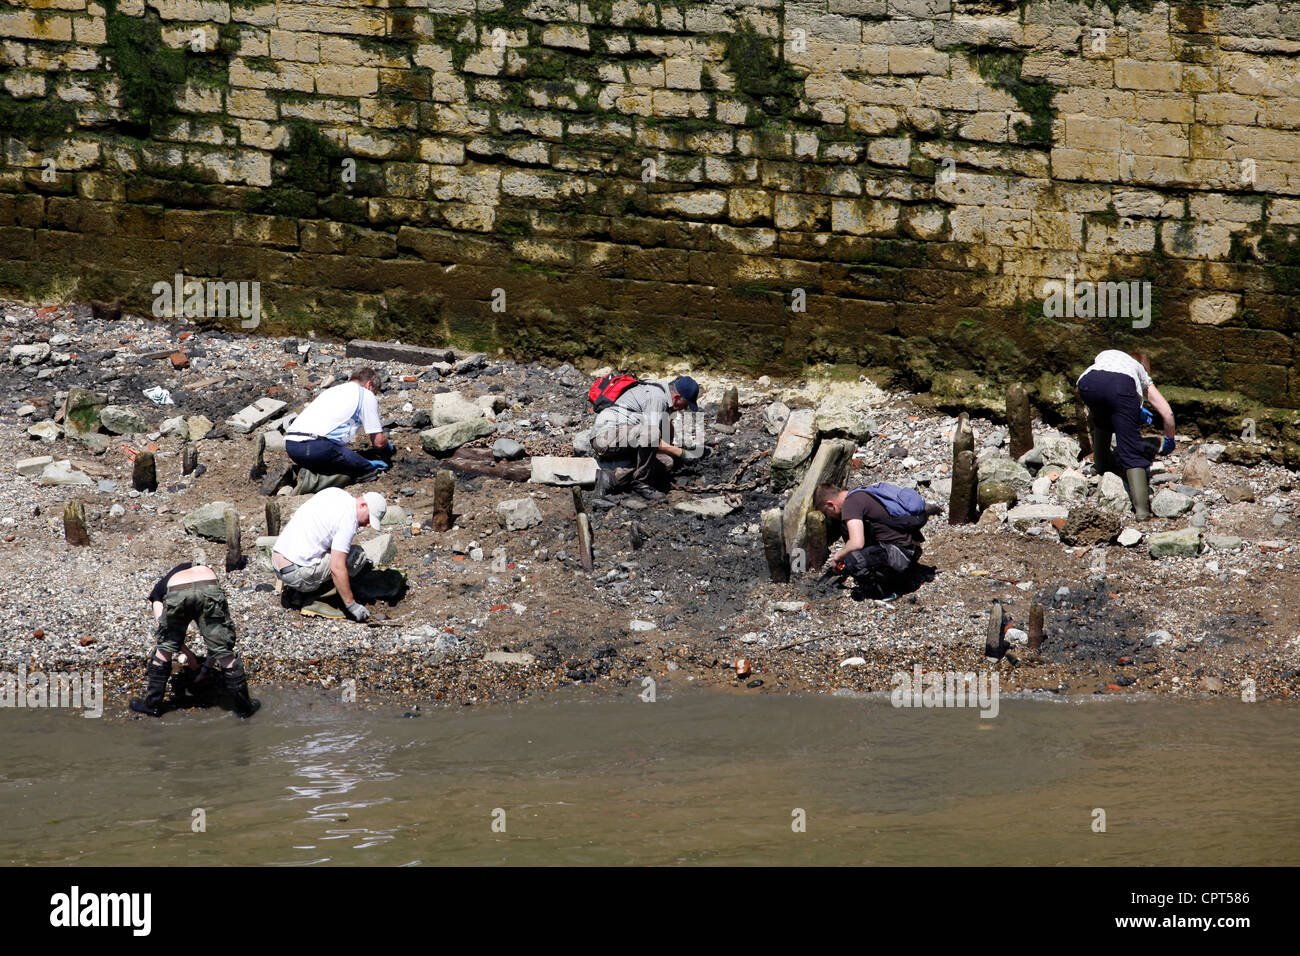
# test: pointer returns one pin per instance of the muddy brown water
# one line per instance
(691, 778)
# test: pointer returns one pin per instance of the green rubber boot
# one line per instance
(1138, 493)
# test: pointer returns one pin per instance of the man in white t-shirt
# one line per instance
(1113, 388)
(316, 544)
(318, 439)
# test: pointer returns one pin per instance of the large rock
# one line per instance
(997, 468)
(199, 426)
(1197, 471)
(265, 545)
(449, 408)
(1224, 542)
(381, 550)
(32, 354)
(775, 416)
(1071, 486)
(62, 473)
(1129, 537)
(716, 507)
(582, 444)
(1183, 543)
(175, 428)
(32, 467)
(255, 415)
(208, 521)
(81, 411)
(829, 466)
(1111, 493)
(122, 420)
(1085, 525)
(1026, 515)
(793, 447)
(1170, 504)
(1051, 449)
(839, 420)
(447, 438)
(556, 470)
(1233, 493)
(508, 449)
(997, 492)
(45, 431)
(518, 513)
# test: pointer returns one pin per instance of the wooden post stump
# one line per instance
(74, 524)
(1020, 421)
(995, 645)
(965, 489)
(585, 551)
(814, 538)
(729, 408)
(189, 459)
(234, 550)
(778, 561)
(1035, 627)
(144, 473)
(444, 489)
(258, 471)
(272, 518)
(963, 437)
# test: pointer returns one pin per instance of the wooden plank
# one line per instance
(203, 383)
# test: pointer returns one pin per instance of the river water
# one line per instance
(690, 778)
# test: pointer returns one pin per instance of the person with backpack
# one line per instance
(632, 437)
(882, 528)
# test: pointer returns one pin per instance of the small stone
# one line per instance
(515, 658)
(45, 431)
(715, 507)
(1239, 492)
(507, 449)
(1224, 542)
(1183, 543)
(209, 521)
(121, 420)
(1129, 537)
(1170, 504)
(199, 426)
(518, 513)
(853, 662)
(642, 625)
(62, 473)
(1016, 636)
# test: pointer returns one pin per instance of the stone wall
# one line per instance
(882, 183)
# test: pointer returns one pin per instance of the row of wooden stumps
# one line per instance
(996, 644)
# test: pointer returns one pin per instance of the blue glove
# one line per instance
(378, 463)
(1147, 417)
(1167, 447)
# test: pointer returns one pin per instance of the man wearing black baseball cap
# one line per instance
(634, 434)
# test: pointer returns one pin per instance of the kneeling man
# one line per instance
(316, 545)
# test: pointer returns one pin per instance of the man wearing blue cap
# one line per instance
(634, 434)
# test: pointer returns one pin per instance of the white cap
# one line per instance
(378, 507)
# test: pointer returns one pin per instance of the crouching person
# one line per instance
(632, 436)
(882, 546)
(316, 547)
(188, 593)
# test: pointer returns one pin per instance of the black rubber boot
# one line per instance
(237, 690)
(1102, 458)
(154, 691)
(1139, 493)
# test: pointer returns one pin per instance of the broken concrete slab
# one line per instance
(62, 473)
(32, 467)
(1183, 543)
(396, 352)
(209, 521)
(450, 408)
(715, 507)
(793, 447)
(518, 513)
(255, 415)
(380, 550)
(447, 438)
(830, 465)
(557, 470)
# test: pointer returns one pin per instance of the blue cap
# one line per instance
(688, 389)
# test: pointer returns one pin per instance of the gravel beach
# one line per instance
(497, 614)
